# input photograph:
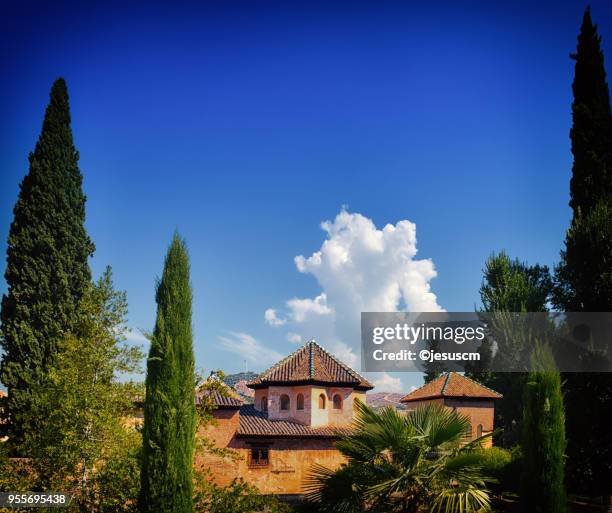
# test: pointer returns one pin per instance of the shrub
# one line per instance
(238, 497)
(117, 482)
(504, 466)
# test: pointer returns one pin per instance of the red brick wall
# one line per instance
(289, 459)
(479, 411)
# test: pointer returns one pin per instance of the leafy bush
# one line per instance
(237, 497)
(504, 466)
(117, 482)
(16, 475)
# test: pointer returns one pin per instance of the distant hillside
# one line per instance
(238, 383)
(381, 399)
(232, 379)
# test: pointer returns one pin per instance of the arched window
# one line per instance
(264, 403)
(284, 402)
(479, 431)
(300, 402)
(322, 402)
(468, 431)
(337, 402)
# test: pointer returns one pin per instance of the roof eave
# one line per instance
(265, 384)
(440, 396)
(286, 436)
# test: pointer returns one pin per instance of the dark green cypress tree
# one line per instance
(543, 444)
(583, 280)
(169, 411)
(592, 126)
(47, 269)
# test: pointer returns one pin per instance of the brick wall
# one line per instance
(289, 459)
(311, 415)
(479, 411)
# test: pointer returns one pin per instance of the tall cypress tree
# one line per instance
(169, 412)
(47, 263)
(592, 126)
(543, 444)
(583, 277)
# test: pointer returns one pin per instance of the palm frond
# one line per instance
(339, 491)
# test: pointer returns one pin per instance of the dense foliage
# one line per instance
(83, 399)
(509, 286)
(402, 463)
(85, 431)
(169, 413)
(542, 486)
(47, 270)
(584, 277)
(591, 131)
(237, 497)
(505, 466)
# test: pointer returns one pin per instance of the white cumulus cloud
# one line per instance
(360, 268)
(272, 319)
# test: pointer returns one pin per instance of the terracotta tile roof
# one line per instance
(222, 401)
(254, 423)
(310, 364)
(451, 384)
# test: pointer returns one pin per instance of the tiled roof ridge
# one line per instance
(280, 362)
(478, 383)
(352, 372)
(441, 387)
(311, 366)
(313, 351)
(446, 381)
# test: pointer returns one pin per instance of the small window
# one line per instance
(468, 431)
(300, 402)
(322, 402)
(479, 431)
(337, 402)
(284, 402)
(264, 403)
(259, 457)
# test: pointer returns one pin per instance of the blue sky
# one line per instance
(245, 125)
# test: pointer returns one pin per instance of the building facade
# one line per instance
(300, 406)
(463, 395)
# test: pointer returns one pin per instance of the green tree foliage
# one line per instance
(83, 399)
(117, 480)
(237, 497)
(543, 442)
(509, 286)
(170, 415)
(591, 130)
(505, 466)
(583, 278)
(434, 369)
(513, 286)
(47, 270)
(404, 463)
